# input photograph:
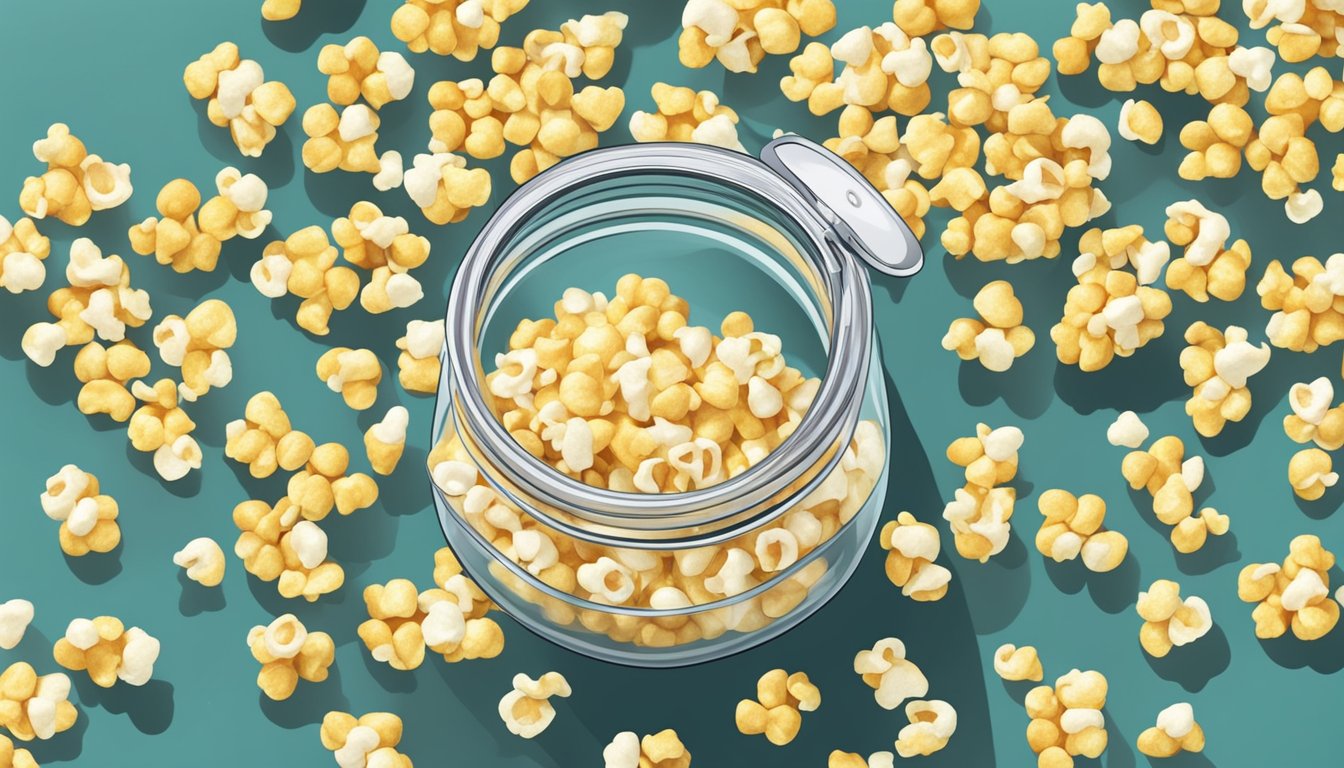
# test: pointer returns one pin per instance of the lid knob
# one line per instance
(850, 204)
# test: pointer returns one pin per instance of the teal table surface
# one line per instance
(112, 71)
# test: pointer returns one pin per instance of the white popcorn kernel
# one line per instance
(203, 559)
(535, 550)
(399, 74)
(1302, 207)
(41, 342)
(899, 679)
(357, 121)
(1079, 720)
(932, 724)
(174, 461)
(776, 549)
(1305, 589)
(172, 339)
(1192, 473)
(403, 290)
(444, 624)
(72, 481)
(22, 271)
(718, 131)
(270, 275)
(576, 448)
(734, 576)
(527, 710)
(763, 399)
(82, 634)
(716, 18)
(508, 384)
(1128, 430)
(361, 742)
(1256, 65)
(83, 517)
(607, 579)
(1310, 402)
(107, 185)
(283, 637)
(1177, 721)
(424, 338)
(1042, 179)
(994, 350)
(421, 182)
(623, 751)
(309, 542)
(137, 657)
(15, 616)
(1084, 131)
(1214, 231)
(236, 85)
(696, 343)
(390, 171)
(1002, 444)
(1120, 43)
(1172, 35)
(1181, 633)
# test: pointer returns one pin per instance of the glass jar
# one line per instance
(785, 238)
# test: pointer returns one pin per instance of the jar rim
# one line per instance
(835, 406)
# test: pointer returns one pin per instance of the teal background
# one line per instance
(113, 72)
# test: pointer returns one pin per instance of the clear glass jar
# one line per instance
(786, 239)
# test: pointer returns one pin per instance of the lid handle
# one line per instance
(856, 212)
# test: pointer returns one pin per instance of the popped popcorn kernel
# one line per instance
(912, 547)
(105, 372)
(75, 183)
(239, 97)
(343, 140)
(1014, 663)
(882, 68)
(526, 710)
(686, 115)
(931, 725)
(841, 759)
(457, 28)
(265, 440)
(358, 69)
(280, 10)
(15, 616)
(999, 336)
(418, 365)
(1208, 267)
(303, 265)
(11, 757)
(385, 246)
(1067, 719)
(886, 670)
(781, 697)
(1293, 595)
(1140, 121)
(1313, 418)
(873, 148)
(1216, 143)
(354, 373)
(443, 188)
(385, 440)
(979, 513)
(369, 741)
(1176, 731)
(1286, 159)
(995, 73)
(189, 235)
(920, 17)
(98, 299)
(1217, 365)
(288, 653)
(160, 426)
(88, 518)
(1298, 30)
(22, 252)
(1072, 526)
(323, 485)
(1127, 430)
(1109, 313)
(1304, 318)
(276, 545)
(198, 345)
(108, 651)
(1171, 479)
(34, 706)
(663, 749)
(740, 34)
(1169, 621)
(203, 560)
(1310, 473)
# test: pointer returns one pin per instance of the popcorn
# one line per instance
(1013, 663)
(15, 758)
(1313, 419)
(1303, 317)
(1296, 594)
(358, 69)
(280, 10)
(883, 68)
(932, 724)
(160, 426)
(1310, 473)
(1208, 266)
(1127, 430)
(15, 616)
(1301, 207)
(841, 759)
(303, 264)
(274, 544)
(1140, 121)
(239, 97)
(1172, 479)
(892, 677)
(1067, 720)
(99, 298)
(1169, 621)
(1107, 314)
(186, 238)
(1216, 143)
(203, 561)
(686, 115)
(1300, 30)
(1176, 732)
(457, 28)
(108, 651)
(999, 337)
(385, 246)
(1286, 159)
(88, 519)
(41, 342)
(740, 34)
(920, 17)
(1073, 527)
(526, 710)
(34, 706)
(322, 485)
(75, 183)
(980, 511)
(354, 373)
(105, 372)
(264, 440)
(872, 147)
(444, 189)
(775, 712)
(1337, 173)
(22, 251)
(288, 652)
(367, 742)
(1217, 365)
(197, 344)
(418, 362)
(995, 74)
(912, 547)
(656, 750)
(343, 140)
(384, 441)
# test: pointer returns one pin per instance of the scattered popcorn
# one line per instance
(343, 140)
(1300, 30)
(1172, 479)
(892, 677)
(105, 371)
(527, 710)
(108, 651)
(34, 706)
(912, 547)
(872, 147)
(1108, 313)
(1000, 338)
(15, 616)
(1313, 420)
(1127, 430)
(391, 171)
(921, 17)
(686, 115)
(449, 621)
(41, 342)
(186, 238)
(99, 299)
(198, 345)
(288, 652)
(1169, 621)
(1217, 365)
(932, 724)
(239, 97)
(1216, 144)
(841, 759)
(275, 545)
(264, 440)
(776, 711)
(444, 189)
(323, 485)
(740, 34)
(980, 511)
(1176, 731)
(1073, 527)
(1013, 663)
(160, 426)
(280, 10)
(367, 742)
(457, 28)
(75, 184)
(1286, 159)
(1067, 720)
(358, 69)
(1303, 318)
(303, 265)
(995, 74)
(384, 441)
(1296, 594)
(22, 251)
(1208, 266)
(883, 69)
(354, 373)
(384, 246)
(656, 750)
(1310, 473)
(88, 519)
(1122, 247)
(418, 362)
(203, 561)
(10, 757)
(1140, 121)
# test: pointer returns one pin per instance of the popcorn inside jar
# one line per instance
(644, 475)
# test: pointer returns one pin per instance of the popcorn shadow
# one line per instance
(309, 703)
(996, 590)
(1119, 754)
(34, 644)
(1182, 760)
(267, 489)
(56, 385)
(276, 164)
(191, 284)
(392, 680)
(1192, 667)
(239, 254)
(1216, 552)
(17, 313)
(1269, 384)
(1017, 690)
(185, 488)
(1019, 387)
(1112, 592)
(63, 747)
(328, 614)
(299, 33)
(149, 706)
(334, 192)
(1324, 656)
(1084, 90)
(95, 568)
(1113, 387)
(1320, 508)
(360, 538)
(406, 491)
(650, 24)
(198, 598)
